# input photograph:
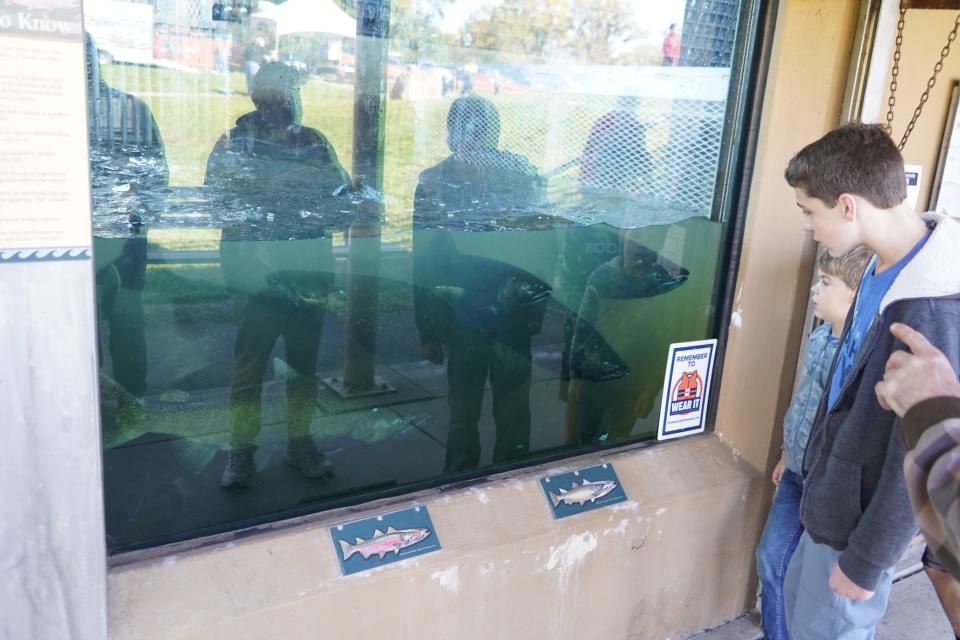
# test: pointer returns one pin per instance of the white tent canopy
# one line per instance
(308, 16)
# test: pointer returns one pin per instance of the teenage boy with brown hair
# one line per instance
(851, 188)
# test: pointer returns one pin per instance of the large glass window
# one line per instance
(352, 247)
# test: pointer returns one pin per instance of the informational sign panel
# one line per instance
(914, 174)
(384, 539)
(686, 388)
(582, 490)
(44, 183)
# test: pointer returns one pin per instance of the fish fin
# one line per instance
(382, 553)
(391, 530)
(554, 499)
(366, 554)
(582, 502)
(592, 500)
(396, 551)
(563, 491)
(346, 548)
(377, 533)
(585, 482)
(360, 540)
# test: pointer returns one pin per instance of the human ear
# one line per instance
(847, 204)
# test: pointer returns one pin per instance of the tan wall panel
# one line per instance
(925, 33)
(803, 98)
(648, 568)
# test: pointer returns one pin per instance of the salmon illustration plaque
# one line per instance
(582, 490)
(384, 539)
(686, 389)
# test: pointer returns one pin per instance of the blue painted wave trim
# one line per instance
(44, 255)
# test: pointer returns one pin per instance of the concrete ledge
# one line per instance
(653, 567)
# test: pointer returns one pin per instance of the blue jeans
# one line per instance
(777, 544)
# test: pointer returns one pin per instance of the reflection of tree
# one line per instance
(595, 31)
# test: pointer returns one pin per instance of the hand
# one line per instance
(844, 587)
(432, 352)
(912, 377)
(778, 472)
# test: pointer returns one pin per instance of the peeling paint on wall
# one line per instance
(620, 529)
(481, 495)
(571, 553)
(736, 319)
(449, 579)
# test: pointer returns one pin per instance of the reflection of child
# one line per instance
(831, 297)
(610, 367)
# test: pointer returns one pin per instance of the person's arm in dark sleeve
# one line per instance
(158, 153)
(887, 525)
(426, 306)
(216, 173)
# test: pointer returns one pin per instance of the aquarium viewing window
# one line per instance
(349, 249)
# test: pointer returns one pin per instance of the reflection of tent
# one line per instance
(308, 16)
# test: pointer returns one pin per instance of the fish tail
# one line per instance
(347, 549)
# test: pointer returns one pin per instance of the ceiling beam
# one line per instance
(932, 4)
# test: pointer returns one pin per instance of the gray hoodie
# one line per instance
(855, 495)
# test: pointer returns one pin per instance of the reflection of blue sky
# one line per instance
(653, 16)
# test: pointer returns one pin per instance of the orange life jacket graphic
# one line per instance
(689, 386)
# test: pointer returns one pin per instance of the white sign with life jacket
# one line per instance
(686, 389)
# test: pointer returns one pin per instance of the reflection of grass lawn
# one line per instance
(193, 111)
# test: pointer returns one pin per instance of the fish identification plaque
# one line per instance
(582, 490)
(373, 542)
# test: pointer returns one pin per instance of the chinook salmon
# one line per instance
(380, 544)
(584, 492)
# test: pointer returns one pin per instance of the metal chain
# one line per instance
(937, 68)
(892, 100)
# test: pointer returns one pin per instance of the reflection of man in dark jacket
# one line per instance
(483, 310)
(275, 179)
(128, 173)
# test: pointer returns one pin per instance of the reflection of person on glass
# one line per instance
(275, 180)
(253, 58)
(128, 172)
(484, 311)
(620, 338)
(671, 47)
(614, 161)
